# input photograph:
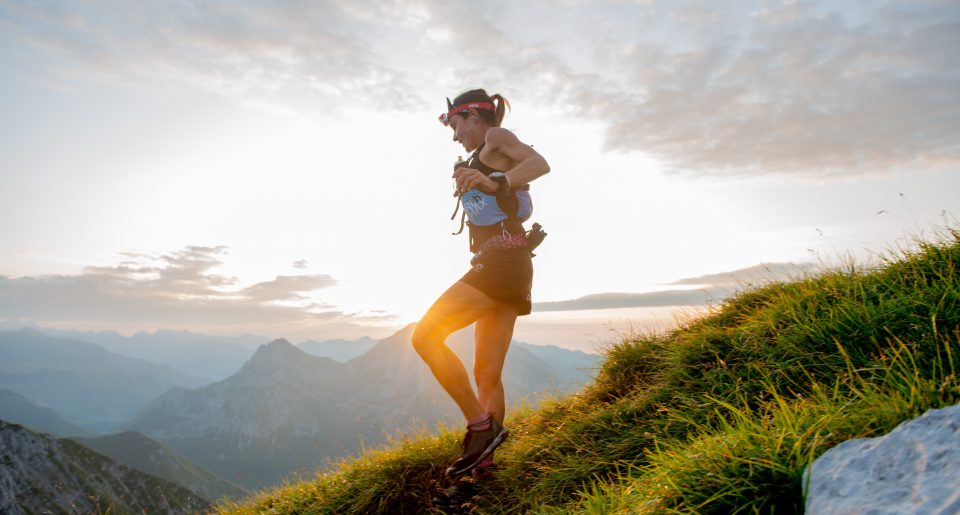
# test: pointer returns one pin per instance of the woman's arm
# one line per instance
(530, 164)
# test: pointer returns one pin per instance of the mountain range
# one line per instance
(285, 409)
(18, 409)
(83, 382)
(288, 412)
(207, 357)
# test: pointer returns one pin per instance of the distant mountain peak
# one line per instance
(277, 352)
(277, 346)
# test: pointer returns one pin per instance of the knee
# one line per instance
(486, 377)
(425, 336)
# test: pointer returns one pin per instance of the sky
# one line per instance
(277, 168)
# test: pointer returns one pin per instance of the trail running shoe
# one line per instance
(477, 445)
(457, 495)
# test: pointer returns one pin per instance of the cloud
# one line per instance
(177, 289)
(289, 55)
(801, 91)
(627, 300)
(178, 273)
(811, 88)
(715, 288)
(757, 274)
(287, 287)
(720, 88)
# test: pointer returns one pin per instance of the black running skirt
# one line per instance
(505, 275)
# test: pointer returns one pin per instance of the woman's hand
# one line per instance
(470, 178)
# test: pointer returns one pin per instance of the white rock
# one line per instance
(915, 469)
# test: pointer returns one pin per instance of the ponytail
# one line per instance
(502, 106)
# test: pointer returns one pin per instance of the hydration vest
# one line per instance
(488, 214)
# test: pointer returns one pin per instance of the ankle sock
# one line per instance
(484, 469)
(480, 423)
(487, 462)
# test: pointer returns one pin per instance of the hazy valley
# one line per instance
(220, 416)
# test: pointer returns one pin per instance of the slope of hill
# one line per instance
(39, 474)
(86, 384)
(139, 452)
(718, 416)
(18, 409)
(287, 411)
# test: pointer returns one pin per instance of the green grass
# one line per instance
(719, 416)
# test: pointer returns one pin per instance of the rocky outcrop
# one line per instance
(913, 469)
(39, 474)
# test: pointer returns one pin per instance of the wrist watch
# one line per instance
(503, 186)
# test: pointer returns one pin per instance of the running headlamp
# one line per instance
(462, 108)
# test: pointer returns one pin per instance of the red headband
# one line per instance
(445, 117)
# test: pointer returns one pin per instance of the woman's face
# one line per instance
(463, 130)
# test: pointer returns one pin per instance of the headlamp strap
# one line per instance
(469, 105)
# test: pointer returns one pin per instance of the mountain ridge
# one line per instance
(86, 384)
(286, 411)
(137, 451)
(18, 409)
(42, 474)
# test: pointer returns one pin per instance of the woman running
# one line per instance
(493, 187)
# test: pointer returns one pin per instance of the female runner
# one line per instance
(494, 192)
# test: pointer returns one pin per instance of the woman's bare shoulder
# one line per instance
(497, 136)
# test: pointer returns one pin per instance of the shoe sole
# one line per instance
(499, 439)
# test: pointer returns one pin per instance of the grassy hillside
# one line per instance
(719, 416)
